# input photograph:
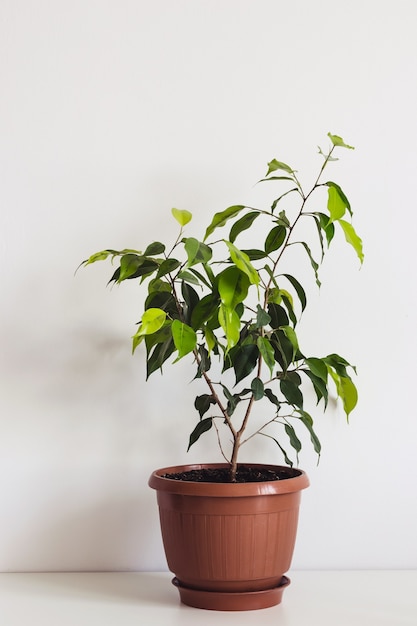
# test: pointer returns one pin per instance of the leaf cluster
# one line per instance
(242, 311)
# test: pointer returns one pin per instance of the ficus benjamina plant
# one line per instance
(211, 300)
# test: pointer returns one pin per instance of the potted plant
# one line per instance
(229, 528)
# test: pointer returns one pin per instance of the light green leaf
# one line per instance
(230, 322)
(233, 285)
(275, 165)
(338, 141)
(185, 338)
(318, 367)
(346, 390)
(341, 193)
(221, 218)
(152, 320)
(182, 216)
(197, 252)
(352, 238)
(267, 352)
(242, 261)
(292, 337)
(335, 205)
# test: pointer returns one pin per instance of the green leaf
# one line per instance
(152, 320)
(154, 248)
(129, 263)
(157, 285)
(188, 277)
(241, 260)
(202, 427)
(286, 458)
(221, 218)
(292, 337)
(197, 252)
(318, 367)
(291, 392)
(320, 387)
(99, 256)
(262, 317)
(182, 216)
(278, 315)
(230, 322)
(275, 239)
(341, 194)
(204, 310)
(185, 338)
(257, 388)
(338, 141)
(275, 165)
(167, 266)
(255, 255)
(299, 289)
(346, 391)
(294, 441)
(203, 403)
(244, 223)
(205, 361)
(275, 202)
(272, 397)
(267, 352)
(352, 238)
(233, 285)
(210, 338)
(308, 423)
(314, 264)
(158, 356)
(335, 205)
(191, 300)
(244, 360)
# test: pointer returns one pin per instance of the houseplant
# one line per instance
(235, 313)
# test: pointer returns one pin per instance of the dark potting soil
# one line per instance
(244, 474)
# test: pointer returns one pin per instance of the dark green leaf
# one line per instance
(244, 223)
(257, 388)
(294, 441)
(272, 397)
(286, 458)
(244, 361)
(275, 239)
(205, 361)
(202, 427)
(299, 289)
(255, 255)
(308, 423)
(162, 300)
(318, 367)
(314, 264)
(191, 300)
(204, 310)
(278, 315)
(167, 266)
(154, 248)
(275, 202)
(232, 400)
(203, 403)
(292, 393)
(159, 355)
(262, 317)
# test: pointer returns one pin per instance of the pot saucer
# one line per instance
(231, 601)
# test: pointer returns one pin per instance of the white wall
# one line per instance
(113, 112)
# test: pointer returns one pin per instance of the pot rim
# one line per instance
(272, 487)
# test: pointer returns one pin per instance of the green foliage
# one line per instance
(234, 309)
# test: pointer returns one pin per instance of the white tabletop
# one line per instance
(361, 598)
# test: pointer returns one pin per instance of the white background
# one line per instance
(113, 112)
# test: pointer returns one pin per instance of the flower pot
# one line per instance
(229, 544)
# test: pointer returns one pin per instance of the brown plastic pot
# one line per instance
(229, 544)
